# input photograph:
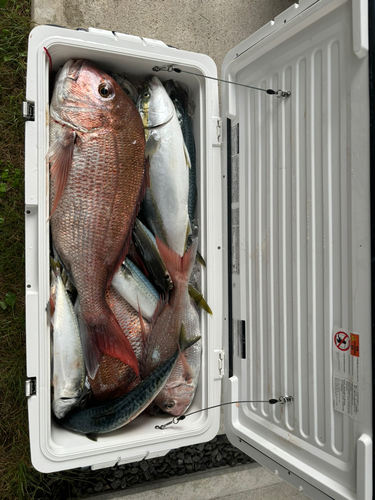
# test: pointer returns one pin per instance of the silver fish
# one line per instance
(68, 373)
(146, 245)
(134, 287)
(166, 202)
(179, 97)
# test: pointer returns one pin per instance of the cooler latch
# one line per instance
(30, 387)
(28, 110)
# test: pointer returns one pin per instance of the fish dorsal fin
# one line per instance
(60, 156)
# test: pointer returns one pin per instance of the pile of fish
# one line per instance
(124, 318)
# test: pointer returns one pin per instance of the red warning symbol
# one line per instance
(342, 341)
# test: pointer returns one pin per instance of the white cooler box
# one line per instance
(284, 211)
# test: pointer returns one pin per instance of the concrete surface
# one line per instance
(212, 27)
(248, 482)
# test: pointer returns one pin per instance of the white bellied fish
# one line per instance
(166, 202)
(68, 367)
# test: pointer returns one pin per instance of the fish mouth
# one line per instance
(154, 82)
(71, 70)
(75, 70)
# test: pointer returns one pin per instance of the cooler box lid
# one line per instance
(298, 318)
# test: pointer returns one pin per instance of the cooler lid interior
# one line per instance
(298, 311)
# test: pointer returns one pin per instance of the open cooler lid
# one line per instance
(299, 254)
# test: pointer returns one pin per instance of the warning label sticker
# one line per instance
(346, 373)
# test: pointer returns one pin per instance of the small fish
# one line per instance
(146, 245)
(68, 367)
(98, 180)
(179, 97)
(135, 288)
(121, 411)
(166, 201)
(128, 84)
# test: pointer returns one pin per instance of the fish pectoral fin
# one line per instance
(187, 156)
(188, 373)
(199, 299)
(60, 156)
(183, 342)
(152, 145)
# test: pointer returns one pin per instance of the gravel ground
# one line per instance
(187, 460)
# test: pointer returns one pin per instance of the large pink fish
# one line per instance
(98, 179)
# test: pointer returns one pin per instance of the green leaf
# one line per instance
(3, 305)
(2, 3)
(3, 187)
(10, 299)
(2, 220)
(7, 58)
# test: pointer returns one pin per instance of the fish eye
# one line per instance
(146, 95)
(104, 90)
(169, 404)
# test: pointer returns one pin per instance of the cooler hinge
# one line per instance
(219, 131)
(30, 387)
(28, 110)
(221, 360)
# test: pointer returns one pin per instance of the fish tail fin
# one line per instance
(178, 267)
(99, 339)
(111, 340)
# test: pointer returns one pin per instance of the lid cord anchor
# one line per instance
(282, 400)
(278, 93)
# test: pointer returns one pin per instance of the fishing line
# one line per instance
(277, 93)
(282, 400)
(49, 59)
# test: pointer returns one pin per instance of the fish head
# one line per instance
(154, 104)
(85, 98)
(63, 406)
(176, 399)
